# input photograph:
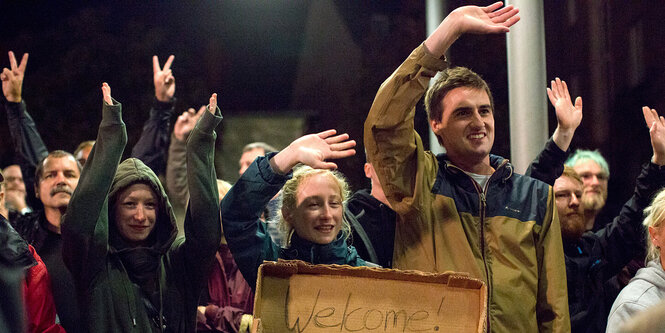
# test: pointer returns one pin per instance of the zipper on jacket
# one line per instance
(483, 207)
(481, 211)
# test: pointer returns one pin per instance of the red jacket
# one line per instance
(39, 299)
(229, 295)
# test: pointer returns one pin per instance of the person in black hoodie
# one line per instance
(119, 233)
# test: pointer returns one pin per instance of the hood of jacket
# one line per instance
(653, 274)
(132, 171)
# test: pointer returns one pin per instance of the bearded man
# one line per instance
(593, 258)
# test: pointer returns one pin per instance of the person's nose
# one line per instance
(326, 211)
(60, 178)
(574, 201)
(594, 180)
(140, 213)
(477, 119)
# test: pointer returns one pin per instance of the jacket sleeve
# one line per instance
(241, 210)
(85, 225)
(202, 227)
(38, 297)
(552, 306)
(154, 141)
(393, 147)
(623, 239)
(223, 318)
(621, 314)
(176, 173)
(29, 149)
(548, 165)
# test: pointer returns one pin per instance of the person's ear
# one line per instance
(653, 232)
(368, 170)
(435, 125)
(286, 215)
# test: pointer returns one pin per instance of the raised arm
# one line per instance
(154, 141)
(202, 229)
(85, 225)
(623, 239)
(548, 165)
(29, 148)
(393, 147)
(176, 166)
(491, 19)
(242, 206)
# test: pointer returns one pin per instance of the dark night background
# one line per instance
(321, 59)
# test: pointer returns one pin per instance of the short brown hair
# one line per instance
(448, 80)
(570, 173)
(55, 154)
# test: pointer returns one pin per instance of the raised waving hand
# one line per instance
(656, 125)
(471, 19)
(314, 150)
(568, 116)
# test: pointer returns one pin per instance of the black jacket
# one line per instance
(372, 227)
(598, 256)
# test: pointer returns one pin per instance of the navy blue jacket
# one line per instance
(246, 234)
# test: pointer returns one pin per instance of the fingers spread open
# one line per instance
(343, 145)
(326, 133)
(504, 17)
(337, 138)
(500, 11)
(342, 153)
(551, 96)
(493, 7)
(324, 165)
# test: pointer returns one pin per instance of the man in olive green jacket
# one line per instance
(466, 210)
(131, 274)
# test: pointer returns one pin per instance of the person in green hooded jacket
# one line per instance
(119, 233)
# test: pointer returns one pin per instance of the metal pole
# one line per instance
(436, 11)
(526, 84)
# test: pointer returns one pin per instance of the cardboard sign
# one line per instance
(292, 296)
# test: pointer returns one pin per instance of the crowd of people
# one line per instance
(90, 243)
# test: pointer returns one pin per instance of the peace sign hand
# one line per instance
(12, 79)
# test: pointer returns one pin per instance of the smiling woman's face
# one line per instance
(136, 213)
(317, 216)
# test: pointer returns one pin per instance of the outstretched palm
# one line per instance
(315, 149)
(656, 127)
(569, 116)
(489, 19)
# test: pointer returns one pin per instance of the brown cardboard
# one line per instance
(293, 296)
